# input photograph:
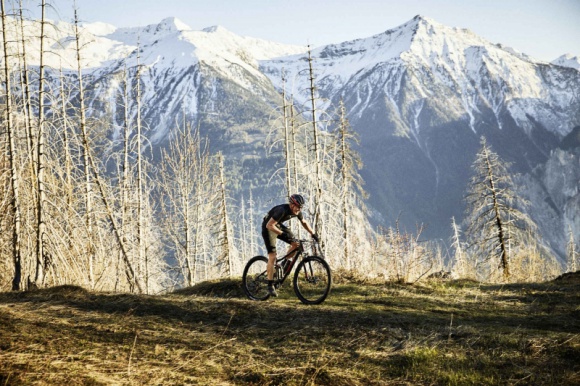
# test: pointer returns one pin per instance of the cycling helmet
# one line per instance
(297, 199)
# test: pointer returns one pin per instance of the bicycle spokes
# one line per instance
(312, 280)
(255, 280)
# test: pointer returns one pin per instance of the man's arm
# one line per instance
(306, 226)
(271, 226)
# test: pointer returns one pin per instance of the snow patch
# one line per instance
(99, 28)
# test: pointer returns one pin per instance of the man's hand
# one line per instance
(315, 237)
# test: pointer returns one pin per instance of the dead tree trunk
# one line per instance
(14, 177)
(41, 163)
(345, 184)
(86, 162)
(225, 228)
(91, 167)
(26, 90)
(316, 144)
(500, 226)
(286, 139)
(140, 225)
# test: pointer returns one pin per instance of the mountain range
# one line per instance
(420, 96)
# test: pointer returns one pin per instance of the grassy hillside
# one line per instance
(457, 332)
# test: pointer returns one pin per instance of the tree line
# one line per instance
(83, 201)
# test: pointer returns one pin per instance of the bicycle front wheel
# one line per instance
(255, 278)
(312, 280)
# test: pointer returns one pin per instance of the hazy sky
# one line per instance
(544, 29)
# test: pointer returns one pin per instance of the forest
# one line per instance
(88, 200)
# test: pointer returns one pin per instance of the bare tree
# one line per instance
(86, 157)
(404, 257)
(285, 109)
(140, 176)
(349, 163)
(493, 215)
(227, 256)
(12, 156)
(457, 245)
(316, 149)
(91, 170)
(25, 81)
(572, 252)
(183, 190)
(41, 163)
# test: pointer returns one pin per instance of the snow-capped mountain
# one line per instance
(420, 96)
(568, 61)
(457, 62)
(60, 49)
(183, 67)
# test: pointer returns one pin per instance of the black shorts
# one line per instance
(270, 237)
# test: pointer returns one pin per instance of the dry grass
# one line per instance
(458, 332)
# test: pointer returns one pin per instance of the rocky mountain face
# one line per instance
(423, 94)
(420, 97)
(554, 189)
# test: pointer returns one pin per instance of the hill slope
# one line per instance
(364, 334)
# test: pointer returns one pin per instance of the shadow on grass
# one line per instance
(222, 303)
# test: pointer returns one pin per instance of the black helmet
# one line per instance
(297, 199)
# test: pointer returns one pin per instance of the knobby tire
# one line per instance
(255, 278)
(312, 280)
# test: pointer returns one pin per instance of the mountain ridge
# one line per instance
(420, 96)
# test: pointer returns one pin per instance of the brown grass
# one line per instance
(457, 332)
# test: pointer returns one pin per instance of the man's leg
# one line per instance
(270, 272)
(270, 243)
(270, 267)
(292, 250)
(288, 238)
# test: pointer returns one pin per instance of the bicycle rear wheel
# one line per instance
(255, 278)
(312, 280)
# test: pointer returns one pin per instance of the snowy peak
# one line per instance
(431, 39)
(173, 24)
(421, 24)
(568, 61)
(171, 47)
(146, 35)
(421, 37)
(168, 26)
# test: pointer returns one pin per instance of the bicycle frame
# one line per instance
(282, 271)
(284, 266)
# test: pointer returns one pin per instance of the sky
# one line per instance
(543, 29)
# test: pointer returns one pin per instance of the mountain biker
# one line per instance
(273, 228)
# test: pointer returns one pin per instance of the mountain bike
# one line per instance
(312, 279)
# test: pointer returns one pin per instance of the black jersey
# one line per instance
(281, 214)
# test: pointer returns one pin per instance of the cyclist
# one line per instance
(273, 228)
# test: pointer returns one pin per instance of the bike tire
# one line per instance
(312, 280)
(255, 278)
